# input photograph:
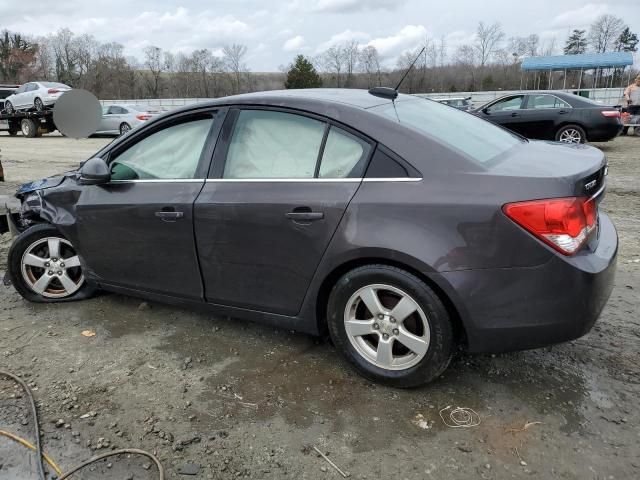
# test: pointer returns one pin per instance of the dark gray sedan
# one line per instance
(367, 217)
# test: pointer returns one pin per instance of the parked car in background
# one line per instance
(35, 95)
(397, 225)
(119, 119)
(550, 115)
(5, 91)
(461, 103)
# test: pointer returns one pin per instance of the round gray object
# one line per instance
(77, 113)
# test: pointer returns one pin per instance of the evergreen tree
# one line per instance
(627, 41)
(302, 74)
(576, 43)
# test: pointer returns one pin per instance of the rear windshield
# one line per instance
(476, 138)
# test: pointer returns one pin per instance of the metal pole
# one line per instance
(521, 74)
(550, 80)
(564, 80)
(580, 81)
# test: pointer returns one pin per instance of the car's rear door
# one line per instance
(541, 115)
(137, 230)
(279, 186)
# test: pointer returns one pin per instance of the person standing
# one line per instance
(632, 96)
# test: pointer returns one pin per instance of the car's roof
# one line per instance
(345, 96)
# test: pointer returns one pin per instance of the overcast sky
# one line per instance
(276, 30)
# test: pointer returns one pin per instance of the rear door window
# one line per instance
(541, 102)
(344, 155)
(507, 105)
(271, 144)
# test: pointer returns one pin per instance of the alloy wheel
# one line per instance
(387, 327)
(38, 104)
(570, 135)
(51, 268)
(124, 128)
(8, 107)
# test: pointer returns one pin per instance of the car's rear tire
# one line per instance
(38, 105)
(44, 267)
(28, 128)
(390, 325)
(124, 128)
(8, 107)
(571, 134)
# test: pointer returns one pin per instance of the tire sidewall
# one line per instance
(14, 264)
(438, 354)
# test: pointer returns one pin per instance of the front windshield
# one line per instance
(476, 138)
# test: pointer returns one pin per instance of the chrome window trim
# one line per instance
(269, 180)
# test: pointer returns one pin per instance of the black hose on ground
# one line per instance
(34, 415)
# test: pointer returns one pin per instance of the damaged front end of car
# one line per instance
(50, 200)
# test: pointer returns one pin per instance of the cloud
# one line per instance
(294, 43)
(350, 6)
(343, 37)
(580, 17)
(408, 38)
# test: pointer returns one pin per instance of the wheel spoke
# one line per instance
(370, 298)
(42, 283)
(54, 247)
(417, 345)
(68, 284)
(405, 307)
(34, 260)
(72, 262)
(357, 328)
(384, 353)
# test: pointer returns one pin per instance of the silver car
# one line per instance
(119, 119)
(35, 95)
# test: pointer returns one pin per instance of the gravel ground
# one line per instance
(247, 401)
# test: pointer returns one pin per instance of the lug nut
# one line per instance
(47, 264)
(385, 336)
(396, 331)
(380, 316)
(393, 320)
(59, 272)
(54, 259)
(62, 265)
(50, 272)
(376, 326)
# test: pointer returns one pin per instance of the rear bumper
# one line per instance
(522, 308)
(604, 132)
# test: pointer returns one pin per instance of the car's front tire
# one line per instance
(124, 128)
(44, 266)
(390, 325)
(571, 134)
(38, 105)
(8, 107)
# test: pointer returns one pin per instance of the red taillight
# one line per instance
(143, 116)
(563, 223)
(53, 90)
(611, 113)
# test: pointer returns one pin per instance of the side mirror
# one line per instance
(94, 171)
(485, 110)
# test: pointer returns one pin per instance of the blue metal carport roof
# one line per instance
(576, 62)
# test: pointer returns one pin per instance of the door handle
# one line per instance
(562, 112)
(515, 114)
(168, 216)
(305, 216)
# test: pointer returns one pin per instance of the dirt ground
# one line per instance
(246, 401)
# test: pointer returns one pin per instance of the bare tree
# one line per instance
(234, 61)
(334, 62)
(466, 56)
(351, 54)
(154, 62)
(604, 32)
(370, 65)
(488, 38)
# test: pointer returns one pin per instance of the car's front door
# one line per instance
(18, 100)
(137, 230)
(506, 112)
(541, 115)
(279, 186)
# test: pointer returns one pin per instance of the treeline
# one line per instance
(490, 62)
